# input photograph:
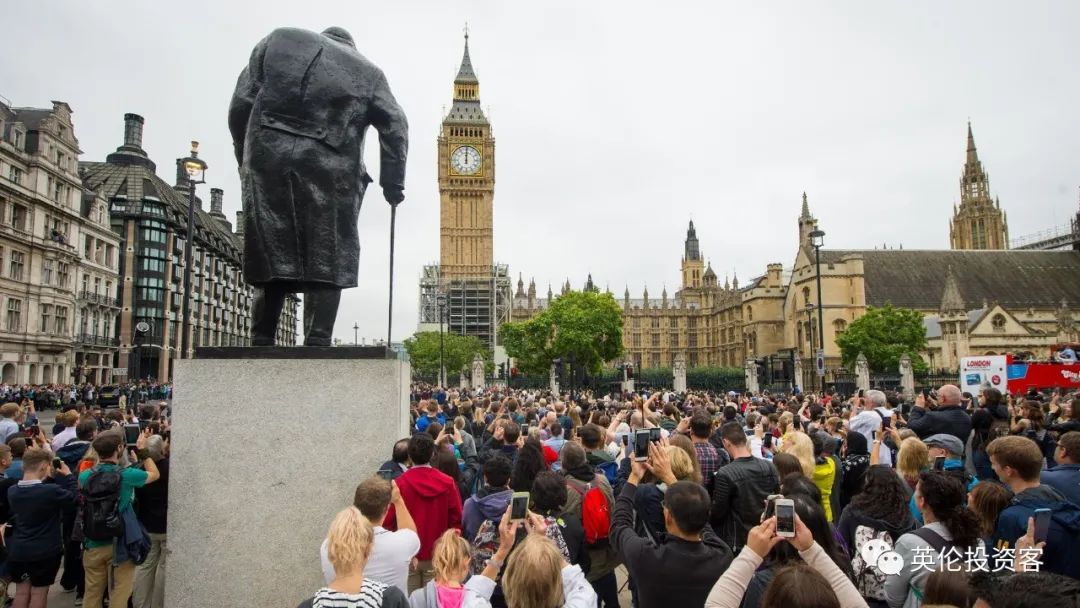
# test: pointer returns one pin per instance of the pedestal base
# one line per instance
(264, 452)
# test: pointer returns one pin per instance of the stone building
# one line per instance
(150, 217)
(979, 222)
(58, 258)
(973, 302)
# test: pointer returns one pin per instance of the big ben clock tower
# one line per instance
(466, 182)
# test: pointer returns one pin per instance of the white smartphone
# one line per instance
(785, 517)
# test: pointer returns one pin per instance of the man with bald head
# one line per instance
(947, 416)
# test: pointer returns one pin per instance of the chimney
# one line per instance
(133, 126)
(181, 175)
(215, 201)
(240, 223)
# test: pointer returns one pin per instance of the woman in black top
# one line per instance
(856, 461)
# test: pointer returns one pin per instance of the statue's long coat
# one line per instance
(298, 119)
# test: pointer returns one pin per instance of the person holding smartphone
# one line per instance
(789, 584)
(38, 503)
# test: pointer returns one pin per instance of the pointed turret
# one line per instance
(589, 284)
(805, 208)
(691, 249)
(972, 154)
(626, 298)
(566, 286)
(645, 296)
(709, 278)
(663, 297)
(549, 293)
(520, 288)
(466, 74)
(951, 300)
(727, 283)
(532, 294)
(466, 107)
(807, 224)
(735, 280)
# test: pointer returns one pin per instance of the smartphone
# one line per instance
(525, 429)
(131, 434)
(939, 463)
(1042, 524)
(641, 445)
(57, 463)
(386, 474)
(785, 517)
(873, 435)
(519, 506)
(860, 393)
(654, 434)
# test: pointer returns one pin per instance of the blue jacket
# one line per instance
(423, 422)
(1064, 478)
(134, 543)
(476, 510)
(1059, 555)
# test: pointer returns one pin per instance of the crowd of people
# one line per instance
(88, 495)
(63, 396)
(529, 499)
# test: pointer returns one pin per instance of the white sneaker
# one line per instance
(78, 601)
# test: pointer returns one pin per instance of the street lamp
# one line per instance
(817, 239)
(440, 301)
(195, 168)
(356, 333)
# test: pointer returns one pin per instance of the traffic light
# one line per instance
(502, 370)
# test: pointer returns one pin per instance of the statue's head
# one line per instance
(339, 34)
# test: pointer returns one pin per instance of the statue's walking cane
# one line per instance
(390, 313)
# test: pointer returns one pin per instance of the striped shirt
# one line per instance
(370, 596)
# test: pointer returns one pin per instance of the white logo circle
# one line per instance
(890, 562)
(872, 550)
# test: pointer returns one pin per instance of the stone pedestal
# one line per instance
(862, 373)
(477, 373)
(907, 377)
(267, 445)
(679, 372)
(750, 367)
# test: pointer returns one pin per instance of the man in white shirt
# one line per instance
(392, 552)
(870, 419)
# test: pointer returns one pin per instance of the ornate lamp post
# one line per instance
(195, 168)
(817, 239)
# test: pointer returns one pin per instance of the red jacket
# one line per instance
(434, 503)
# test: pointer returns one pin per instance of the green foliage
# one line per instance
(883, 335)
(458, 352)
(584, 325)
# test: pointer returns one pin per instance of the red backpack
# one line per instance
(595, 513)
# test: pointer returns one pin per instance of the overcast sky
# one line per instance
(617, 122)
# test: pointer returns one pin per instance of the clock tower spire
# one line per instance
(466, 181)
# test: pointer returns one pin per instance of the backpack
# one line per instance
(610, 471)
(101, 505)
(595, 513)
(486, 542)
(869, 579)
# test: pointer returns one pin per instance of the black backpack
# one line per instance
(101, 505)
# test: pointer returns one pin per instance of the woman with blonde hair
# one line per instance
(799, 445)
(348, 545)
(912, 458)
(536, 575)
(450, 561)
(785, 425)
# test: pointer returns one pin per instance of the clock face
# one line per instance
(465, 160)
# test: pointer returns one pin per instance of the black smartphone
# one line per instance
(654, 434)
(31, 431)
(131, 434)
(519, 506)
(641, 445)
(939, 463)
(386, 474)
(57, 463)
(873, 435)
(1042, 524)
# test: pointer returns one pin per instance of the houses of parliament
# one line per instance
(978, 297)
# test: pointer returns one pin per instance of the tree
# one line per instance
(883, 335)
(458, 352)
(586, 326)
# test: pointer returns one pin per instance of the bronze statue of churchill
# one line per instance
(298, 118)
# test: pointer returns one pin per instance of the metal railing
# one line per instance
(97, 340)
(99, 298)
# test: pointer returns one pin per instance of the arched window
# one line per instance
(839, 326)
(806, 295)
